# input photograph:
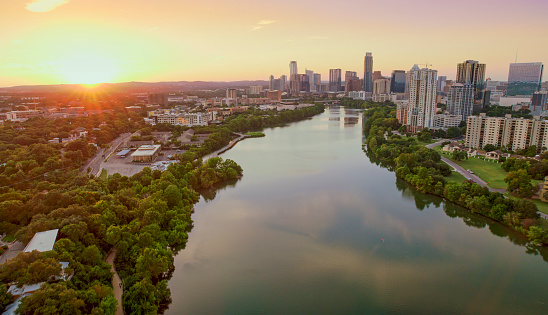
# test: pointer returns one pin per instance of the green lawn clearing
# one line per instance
(103, 174)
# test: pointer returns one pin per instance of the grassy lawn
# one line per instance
(103, 174)
(490, 172)
(8, 238)
(455, 177)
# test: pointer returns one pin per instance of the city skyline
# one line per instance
(63, 41)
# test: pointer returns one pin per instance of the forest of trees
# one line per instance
(145, 218)
(422, 168)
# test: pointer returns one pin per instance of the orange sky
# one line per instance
(85, 41)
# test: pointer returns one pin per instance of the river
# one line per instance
(315, 227)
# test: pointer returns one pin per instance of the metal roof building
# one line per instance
(42, 241)
(146, 153)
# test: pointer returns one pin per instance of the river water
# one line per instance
(316, 227)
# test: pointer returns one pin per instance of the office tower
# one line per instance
(441, 82)
(422, 98)
(397, 83)
(293, 68)
(335, 84)
(294, 84)
(381, 86)
(377, 75)
(472, 72)
(539, 100)
(310, 75)
(271, 83)
(158, 99)
(524, 78)
(305, 82)
(231, 93)
(460, 100)
(317, 81)
(368, 72)
(349, 75)
(283, 83)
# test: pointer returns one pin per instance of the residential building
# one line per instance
(397, 83)
(422, 98)
(472, 72)
(357, 95)
(508, 132)
(524, 78)
(316, 82)
(350, 79)
(402, 110)
(335, 84)
(444, 121)
(20, 115)
(368, 72)
(255, 89)
(460, 100)
(231, 93)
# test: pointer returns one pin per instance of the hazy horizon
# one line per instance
(69, 41)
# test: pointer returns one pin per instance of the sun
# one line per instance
(88, 68)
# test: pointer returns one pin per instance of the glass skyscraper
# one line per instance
(397, 84)
(524, 78)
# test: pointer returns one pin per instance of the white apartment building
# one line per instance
(512, 133)
(444, 121)
(422, 98)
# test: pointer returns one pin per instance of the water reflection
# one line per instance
(314, 226)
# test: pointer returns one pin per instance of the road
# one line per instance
(95, 163)
(225, 148)
(467, 174)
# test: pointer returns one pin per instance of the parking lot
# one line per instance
(125, 166)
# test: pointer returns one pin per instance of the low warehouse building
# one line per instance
(146, 153)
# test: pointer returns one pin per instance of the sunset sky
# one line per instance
(91, 41)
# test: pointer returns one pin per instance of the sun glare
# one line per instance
(88, 69)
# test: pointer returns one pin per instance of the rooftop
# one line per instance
(42, 241)
(146, 150)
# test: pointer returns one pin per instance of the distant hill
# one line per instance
(134, 87)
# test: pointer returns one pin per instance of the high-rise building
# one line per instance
(317, 81)
(472, 72)
(271, 83)
(310, 75)
(460, 100)
(441, 82)
(255, 89)
(381, 86)
(540, 100)
(422, 98)
(348, 76)
(335, 84)
(368, 72)
(283, 83)
(524, 78)
(305, 82)
(294, 84)
(293, 68)
(397, 83)
(377, 75)
(231, 93)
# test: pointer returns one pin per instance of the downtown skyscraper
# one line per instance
(293, 68)
(472, 72)
(335, 84)
(397, 82)
(524, 78)
(460, 100)
(368, 72)
(422, 98)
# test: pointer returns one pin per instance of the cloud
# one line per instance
(44, 5)
(262, 24)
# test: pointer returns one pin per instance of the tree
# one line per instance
(5, 297)
(460, 155)
(537, 235)
(519, 182)
(453, 132)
